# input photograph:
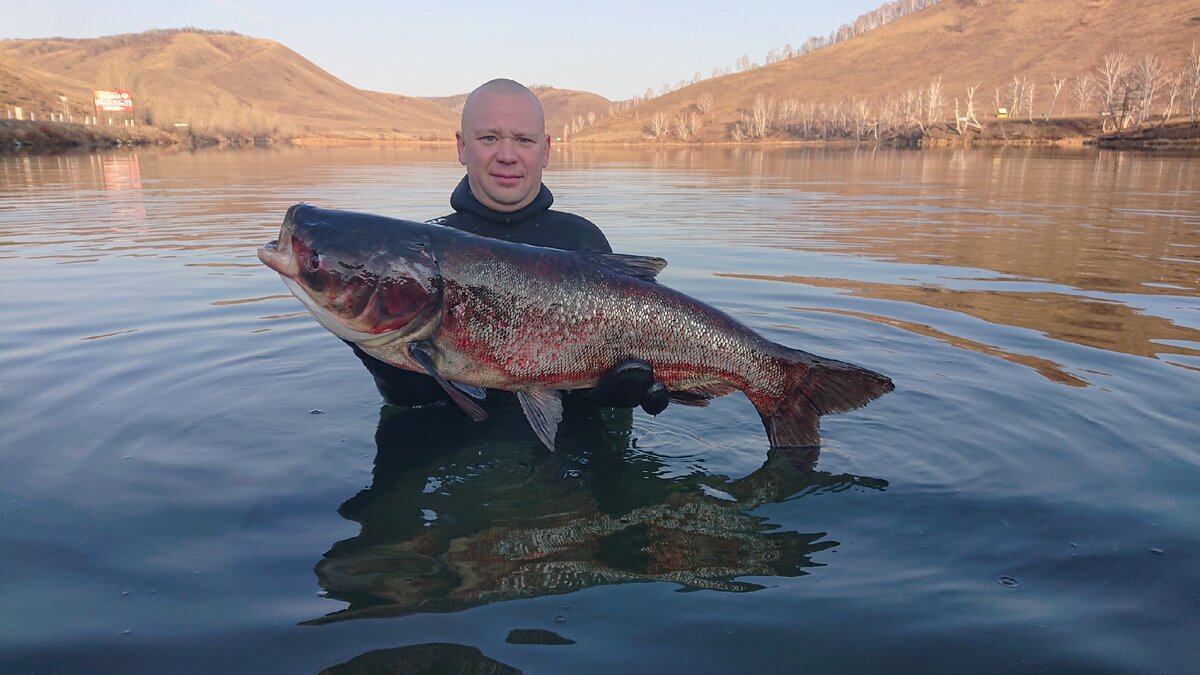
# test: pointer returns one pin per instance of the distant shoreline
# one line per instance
(23, 136)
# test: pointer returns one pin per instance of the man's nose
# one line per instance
(507, 152)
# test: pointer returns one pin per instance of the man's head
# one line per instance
(504, 145)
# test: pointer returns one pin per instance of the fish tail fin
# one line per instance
(815, 386)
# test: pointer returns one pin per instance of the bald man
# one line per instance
(504, 145)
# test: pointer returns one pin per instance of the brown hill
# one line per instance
(212, 81)
(966, 42)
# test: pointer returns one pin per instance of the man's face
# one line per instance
(503, 144)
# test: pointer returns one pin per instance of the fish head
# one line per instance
(363, 277)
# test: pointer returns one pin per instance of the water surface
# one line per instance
(196, 477)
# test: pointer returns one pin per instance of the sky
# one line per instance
(614, 48)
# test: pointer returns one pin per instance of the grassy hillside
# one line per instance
(211, 81)
(983, 43)
(879, 82)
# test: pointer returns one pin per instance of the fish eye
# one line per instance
(313, 262)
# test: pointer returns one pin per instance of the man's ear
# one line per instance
(546, 154)
(462, 148)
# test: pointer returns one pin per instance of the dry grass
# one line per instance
(965, 42)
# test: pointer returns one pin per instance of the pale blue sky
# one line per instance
(616, 48)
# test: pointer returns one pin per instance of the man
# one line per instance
(504, 145)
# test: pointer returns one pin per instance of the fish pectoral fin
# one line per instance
(543, 408)
(419, 351)
(642, 267)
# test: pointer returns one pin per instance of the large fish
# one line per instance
(476, 313)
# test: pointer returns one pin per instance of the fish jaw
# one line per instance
(279, 258)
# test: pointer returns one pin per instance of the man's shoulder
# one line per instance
(585, 234)
(554, 229)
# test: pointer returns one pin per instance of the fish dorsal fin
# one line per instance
(543, 408)
(642, 267)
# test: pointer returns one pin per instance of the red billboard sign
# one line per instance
(113, 101)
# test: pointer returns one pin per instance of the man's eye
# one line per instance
(488, 139)
(525, 141)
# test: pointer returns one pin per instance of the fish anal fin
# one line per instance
(420, 352)
(543, 408)
(699, 397)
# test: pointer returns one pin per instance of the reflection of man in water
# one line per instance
(458, 515)
(504, 145)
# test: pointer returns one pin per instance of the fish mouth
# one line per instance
(279, 258)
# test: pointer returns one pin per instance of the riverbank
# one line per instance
(27, 136)
(1072, 131)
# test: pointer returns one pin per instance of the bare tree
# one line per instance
(762, 116)
(1174, 87)
(860, 111)
(934, 101)
(681, 127)
(566, 131)
(808, 115)
(1015, 88)
(787, 113)
(910, 105)
(888, 113)
(1081, 89)
(1027, 97)
(591, 118)
(1191, 83)
(658, 125)
(1148, 78)
(969, 117)
(833, 119)
(705, 103)
(1056, 84)
(1112, 82)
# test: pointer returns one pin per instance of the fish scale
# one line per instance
(477, 313)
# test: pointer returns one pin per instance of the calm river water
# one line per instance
(196, 477)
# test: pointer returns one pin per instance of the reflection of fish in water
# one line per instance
(424, 659)
(475, 313)
(696, 532)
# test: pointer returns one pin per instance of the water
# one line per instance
(196, 477)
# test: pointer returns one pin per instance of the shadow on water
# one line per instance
(459, 515)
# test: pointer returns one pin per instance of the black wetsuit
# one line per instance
(534, 224)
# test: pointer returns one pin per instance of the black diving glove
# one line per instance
(630, 384)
